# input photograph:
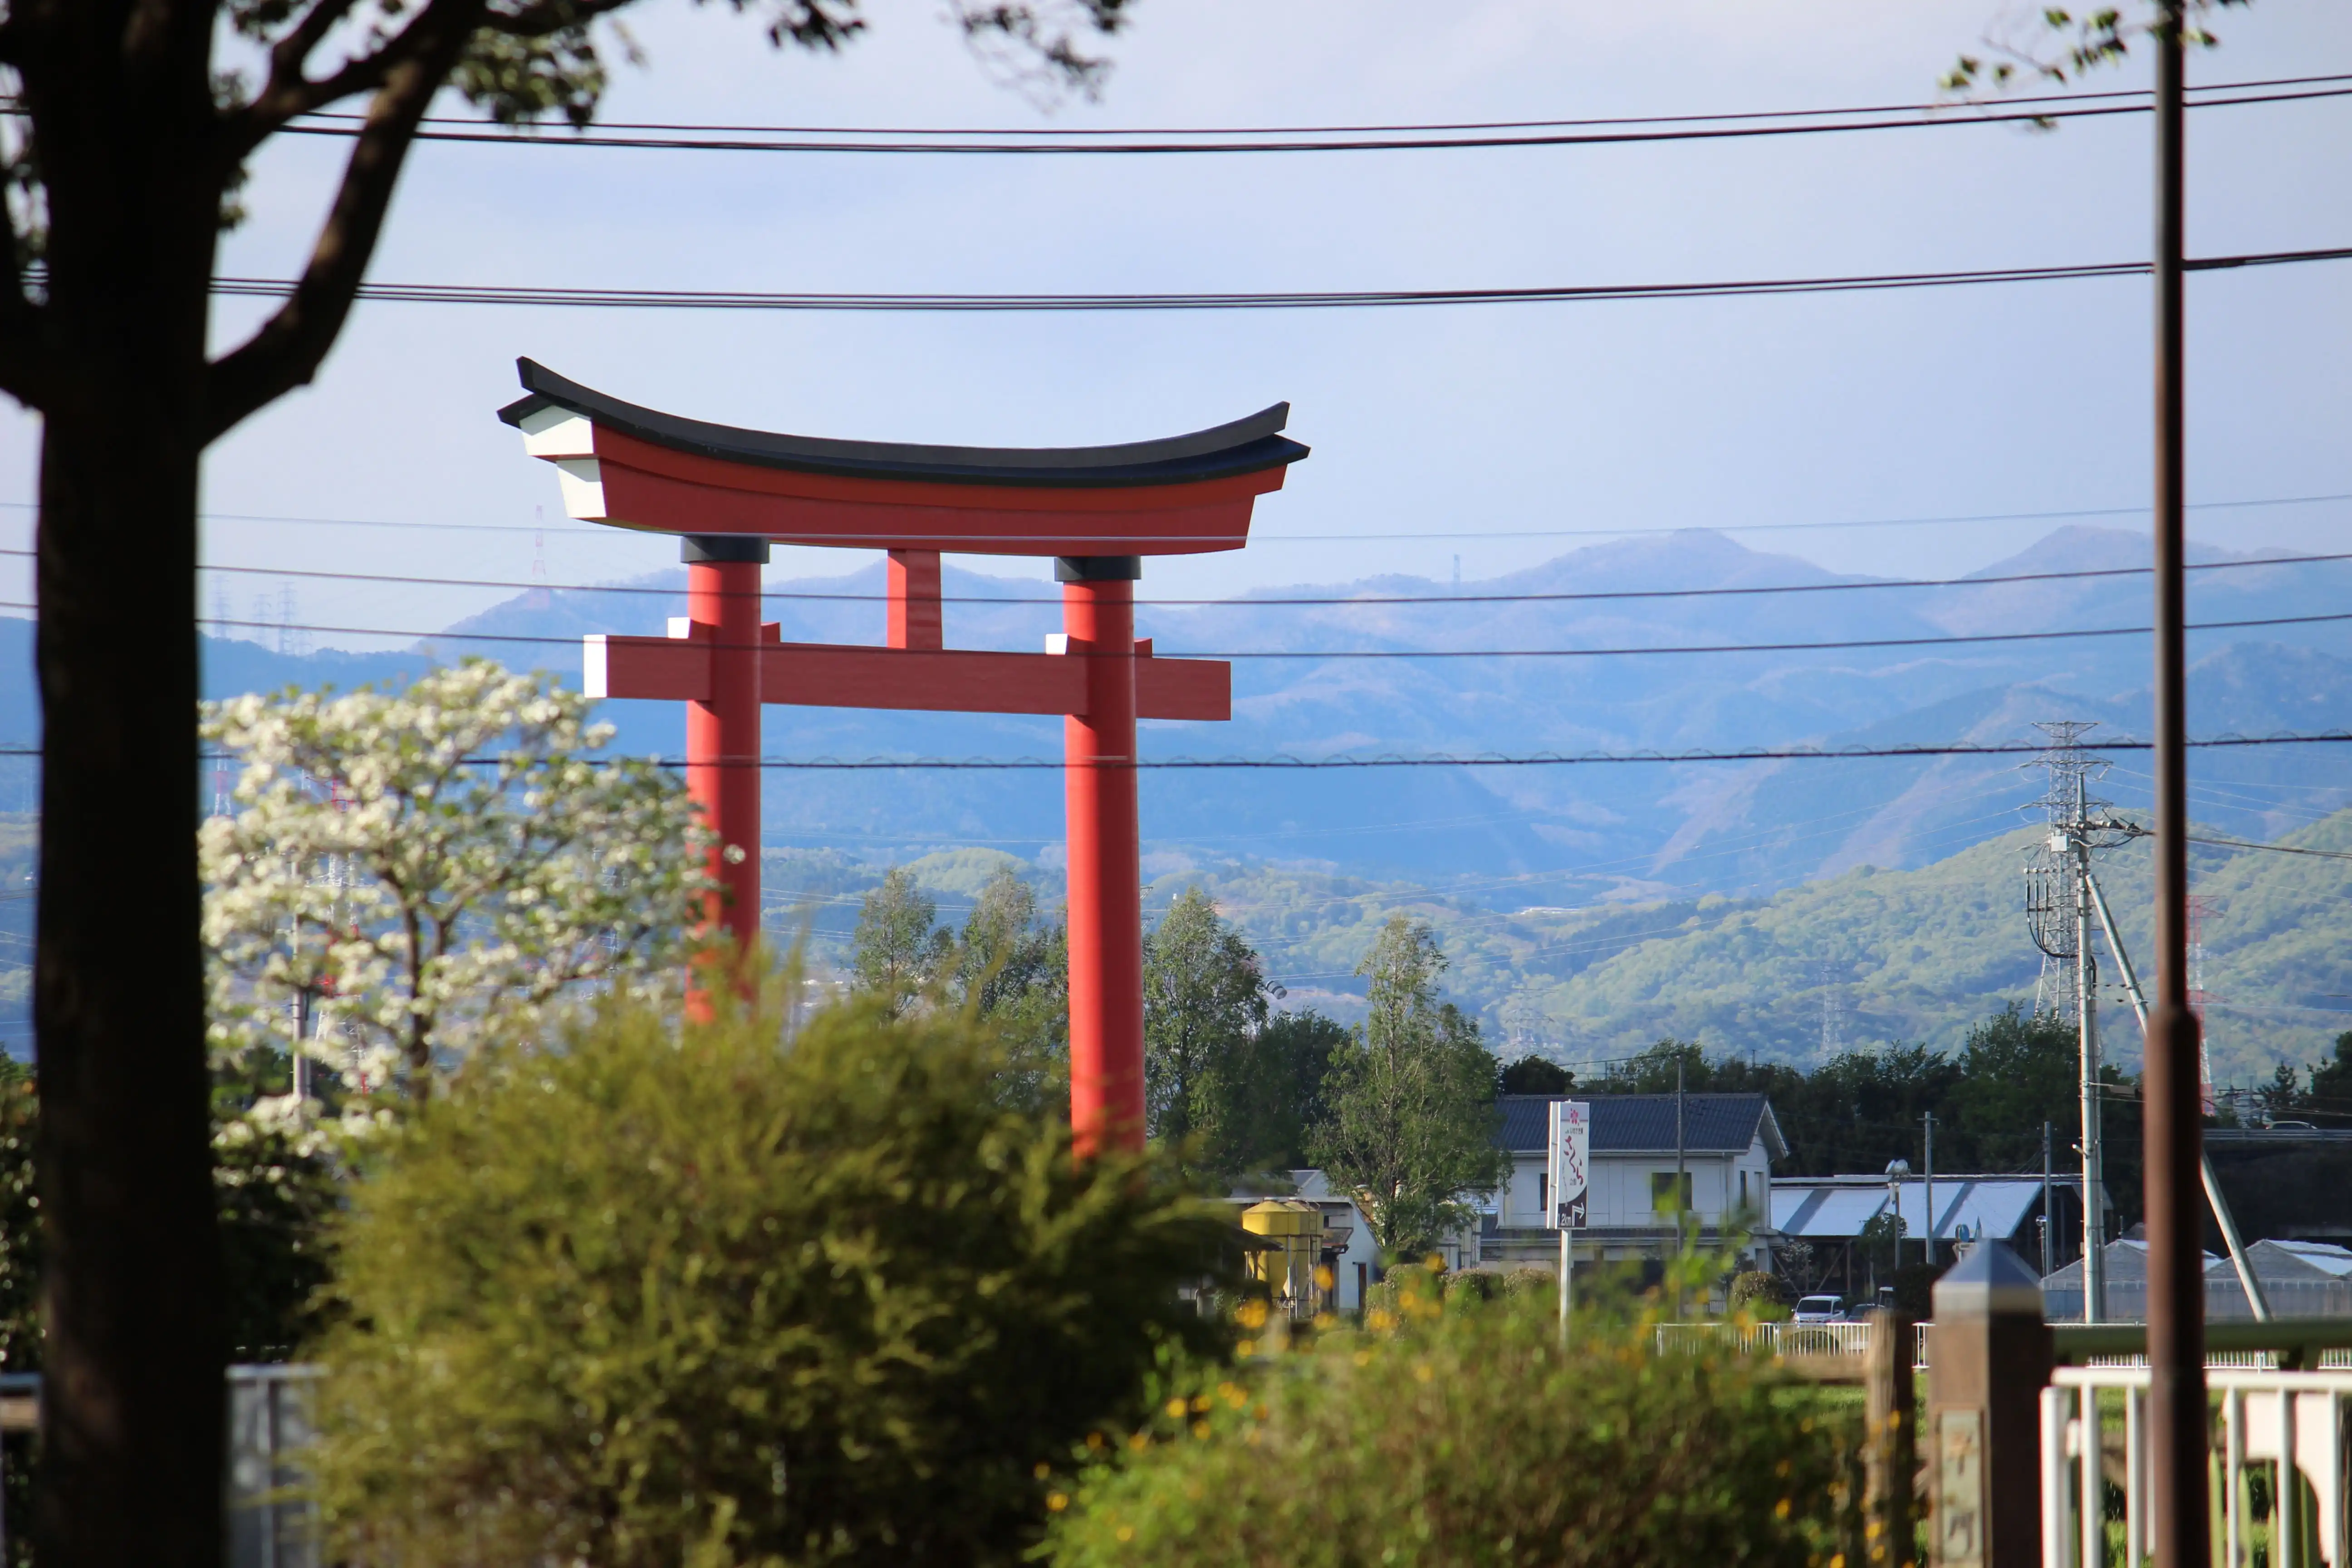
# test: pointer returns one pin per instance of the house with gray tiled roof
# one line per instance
(1728, 1145)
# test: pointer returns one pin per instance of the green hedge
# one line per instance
(671, 1297)
(1456, 1431)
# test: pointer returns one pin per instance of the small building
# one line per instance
(1725, 1148)
(1833, 1217)
(2299, 1279)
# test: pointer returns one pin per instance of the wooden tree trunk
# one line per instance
(132, 1421)
(134, 1416)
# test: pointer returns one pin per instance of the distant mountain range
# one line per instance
(1508, 838)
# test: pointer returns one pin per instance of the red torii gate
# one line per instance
(1098, 510)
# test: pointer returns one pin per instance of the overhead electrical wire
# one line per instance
(1412, 128)
(1495, 760)
(1471, 136)
(1045, 600)
(604, 534)
(1817, 645)
(1272, 299)
(2271, 848)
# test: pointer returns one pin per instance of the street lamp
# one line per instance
(1896, 1170)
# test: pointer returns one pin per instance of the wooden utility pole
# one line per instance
(2176, 1295)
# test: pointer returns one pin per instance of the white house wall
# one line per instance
(1622, 1186)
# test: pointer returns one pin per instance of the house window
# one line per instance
(1662, 1191)
(1543, 1192)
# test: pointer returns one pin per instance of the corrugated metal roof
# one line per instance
(1835, 1207)
(1623, 1124)
(1826, 1211)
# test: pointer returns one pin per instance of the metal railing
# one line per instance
(2293, 1422)
(1770, 1338)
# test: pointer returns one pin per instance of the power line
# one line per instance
(2135, 94)
(1044, 599)
(1822, 646)
(1496, 760)
(610, 534)
(734, 300)
(1819, 123)
(2273, 849)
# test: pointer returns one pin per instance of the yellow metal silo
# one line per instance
(1291, 1244)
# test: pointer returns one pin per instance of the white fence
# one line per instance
(1769, 1339)
(2265, 1415)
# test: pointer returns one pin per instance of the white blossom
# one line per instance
(409, 873)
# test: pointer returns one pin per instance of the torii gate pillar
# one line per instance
(1097, 509)
(1106, 848)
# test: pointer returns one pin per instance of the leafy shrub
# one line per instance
(1457, 1433)
(714, 1296)
(1759, 1293)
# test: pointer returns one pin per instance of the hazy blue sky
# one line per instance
(1473, 422)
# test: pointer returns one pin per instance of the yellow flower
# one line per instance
(1363, 1358)
(1200, 1428)
(1126, 1533)
(1781, 1509)
(1043, 1470)
(1422, 1374)
(1232, 1394)
(1176, 1407)
(1247, 1347)
(1139, 1441)
(1201, 1402)
(1057, 1501)
(1094, 1441)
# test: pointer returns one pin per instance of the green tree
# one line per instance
(1204, 1002)
(2018, 1070)
(1013, 969)
(1411, 1100)
(898, 950)
(1277, 1099)
(1535, 1075)
(725, 1294)
(2329, 1101)
(131, 131)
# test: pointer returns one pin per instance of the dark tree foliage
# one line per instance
(1534, 1075)
(2324, 1099)
(1278, 1098)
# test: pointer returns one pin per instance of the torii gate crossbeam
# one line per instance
(731, 492)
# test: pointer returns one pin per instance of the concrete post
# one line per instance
(1892, 1451)
(1989, 1358)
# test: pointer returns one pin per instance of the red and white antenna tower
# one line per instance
(2199, 907)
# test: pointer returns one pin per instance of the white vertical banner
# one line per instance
(1569, 1164)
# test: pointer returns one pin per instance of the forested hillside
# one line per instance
(1862, 959)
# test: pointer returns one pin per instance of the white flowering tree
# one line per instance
(406, 873)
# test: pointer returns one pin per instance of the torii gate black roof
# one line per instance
(1245, 446)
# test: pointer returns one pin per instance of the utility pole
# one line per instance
(1681, 1160)
(2086, 1025)
(2058, 904)
(1928, 1253)
(2175, 1136)
(2045, 1200)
